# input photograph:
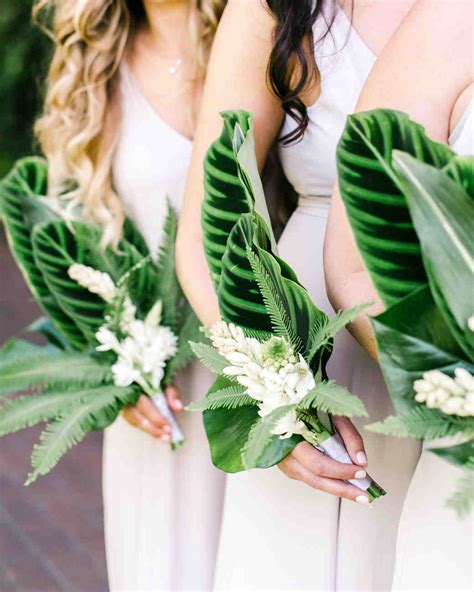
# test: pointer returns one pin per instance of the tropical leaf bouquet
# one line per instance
(410, 202)
(271, 347)
(117, 323)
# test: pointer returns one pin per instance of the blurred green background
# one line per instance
(24, 55)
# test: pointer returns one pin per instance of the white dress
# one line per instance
(435, 549)
(278, 534)
(162, 507)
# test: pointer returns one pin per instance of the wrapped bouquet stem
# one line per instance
(271, 348)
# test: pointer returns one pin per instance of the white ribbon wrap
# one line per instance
(335, 449)
(161, 404)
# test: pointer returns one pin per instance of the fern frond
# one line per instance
(24, 365)
(23, 412)
(227, 398)
(70, 428)
(390, 426)
(260, 436)
(281, 322)
(323, 333)
(462, 500)
(211, 358)
(169, 288)
(330, 397)
(189, 332)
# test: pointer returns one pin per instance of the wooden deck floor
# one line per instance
(51, 535)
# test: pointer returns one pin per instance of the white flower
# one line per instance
(124, 372)
(107, 339)
(271, 371)
(288, 425)
(453, 396)
(95, 281)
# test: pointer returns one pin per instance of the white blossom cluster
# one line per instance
(272, 373)
(453, 396)
(144, 347)
(93, 280)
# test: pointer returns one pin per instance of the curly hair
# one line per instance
(78, 131)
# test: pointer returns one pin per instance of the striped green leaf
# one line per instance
(374, 199)
(22, 207)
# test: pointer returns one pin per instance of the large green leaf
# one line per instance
(226, 196)
(442, 214)
(374, 200)
(24, 365)
(228, 432)
(412, 338)
(22, 207)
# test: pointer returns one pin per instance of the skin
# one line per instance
(236, 79)
(409, 61)
(157, 44)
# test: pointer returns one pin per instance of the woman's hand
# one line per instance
(317, 470)
(145, 416)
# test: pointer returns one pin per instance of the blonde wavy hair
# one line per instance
(77, 130)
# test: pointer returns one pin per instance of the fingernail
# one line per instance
(361, 458)
(360, 475)
(167, 429)
(362, 499)
(179, 405)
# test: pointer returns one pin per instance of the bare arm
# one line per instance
(236, 79)
(425, 70)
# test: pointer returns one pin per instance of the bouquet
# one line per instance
(117, 323)
(410, 203)
(272, 345)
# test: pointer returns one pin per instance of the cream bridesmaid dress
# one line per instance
(279, 534)
(435, 549)
(162, 507)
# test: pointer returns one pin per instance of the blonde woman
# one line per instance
(123, 90)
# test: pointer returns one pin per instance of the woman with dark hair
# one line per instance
(300, 68)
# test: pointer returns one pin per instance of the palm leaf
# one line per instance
(24, 365)
(21, 207)
(442, 213)
(374, 200)
(331, 398)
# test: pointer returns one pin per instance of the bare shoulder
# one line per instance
(426, 66)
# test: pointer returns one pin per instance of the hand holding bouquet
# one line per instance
(271, 348)
(118, 324)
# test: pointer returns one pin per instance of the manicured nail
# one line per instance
(167, 429)
(179, 405)
(361, 458)
(362, 499)
(360, 474)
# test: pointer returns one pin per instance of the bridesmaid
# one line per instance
(123, 89)
(300, 70)
(434, 549)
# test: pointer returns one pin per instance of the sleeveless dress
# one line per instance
(278, 534)
(435, 548)
(162, 508)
